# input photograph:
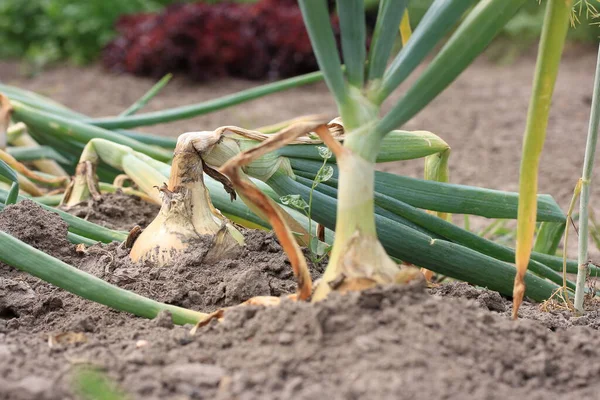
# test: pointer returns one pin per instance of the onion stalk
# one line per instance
(554, 32)
(586, 177)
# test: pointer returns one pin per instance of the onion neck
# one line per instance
(356, 251)
(186, 214)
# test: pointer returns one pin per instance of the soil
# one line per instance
(453, 341)
(116, 211)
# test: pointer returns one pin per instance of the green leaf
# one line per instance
(294, 200)
(139, 104)
(549, 237)
(352, 25)
(396, 146)
(385, 33)
(42, 103)
(62, 127)
(316, 20)
(404, 242)
(473, 35)
(193, 110)
(444, 197)
(324, 152)
(13, 194)
(556, 24)
(460, 236)
(33, 153)
(324, 174)
(441, 16)
(7, 172)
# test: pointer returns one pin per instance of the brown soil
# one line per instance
(557, 319)
(455, 342)
(116, 211)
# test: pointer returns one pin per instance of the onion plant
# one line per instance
(186, 214)
(585, 181)
(217, 147)
(359, 91)
(554, 31)
(404, 229)
(187, 210)
(379, 218)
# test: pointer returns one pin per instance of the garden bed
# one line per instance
(453, 341)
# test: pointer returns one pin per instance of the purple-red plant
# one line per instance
(266, 39)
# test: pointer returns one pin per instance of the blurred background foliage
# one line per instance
(41, 32)
(45, 31)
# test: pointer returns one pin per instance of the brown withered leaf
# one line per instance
(266, 301)
(22, 169)
(266, 206)
(66, 338)
(81, 249)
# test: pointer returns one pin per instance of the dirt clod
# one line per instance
(42, 229)
(116, 211)
(164, 319)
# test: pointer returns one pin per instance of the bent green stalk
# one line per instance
(142, 101)
(177, 113)
(586, 177)
(36, 153)
(7, 174)
(556, 23)
(65, 127)
(548, 237)
(444, 197)
(37, 263)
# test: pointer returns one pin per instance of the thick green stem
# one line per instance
(588, 165)
(356, 250)
(356, 191)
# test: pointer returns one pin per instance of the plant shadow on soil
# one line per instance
(397, 342)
